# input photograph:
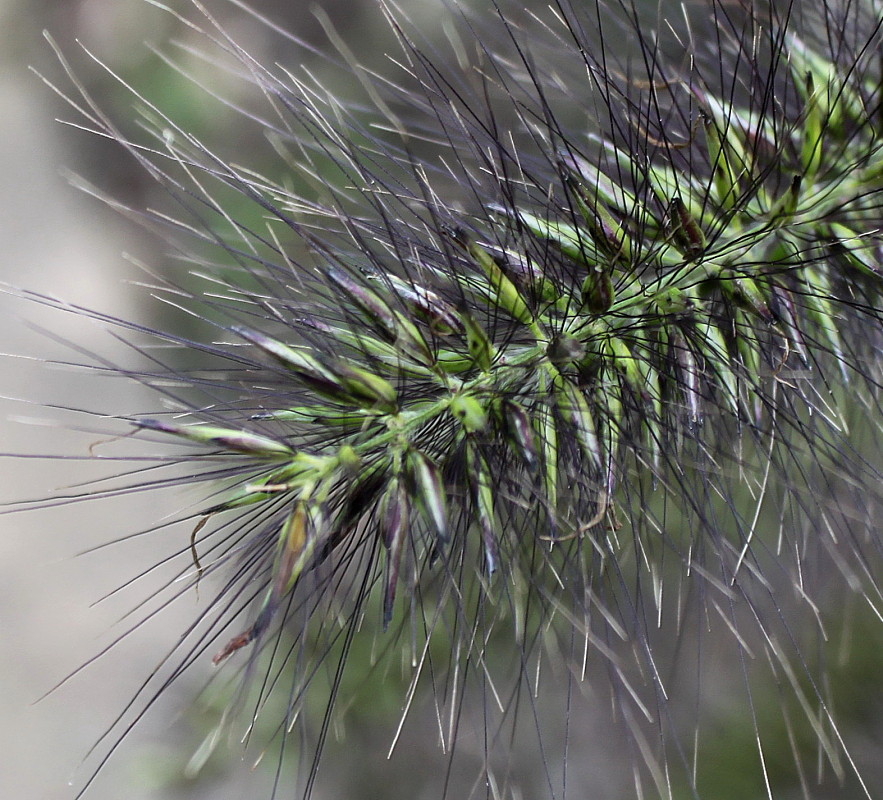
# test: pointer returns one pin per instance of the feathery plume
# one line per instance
(554, 357)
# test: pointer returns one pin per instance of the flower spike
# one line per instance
(550, 363)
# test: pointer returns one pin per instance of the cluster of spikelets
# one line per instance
(512, 368)
(494, 387)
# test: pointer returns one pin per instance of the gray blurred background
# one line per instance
(60, 242)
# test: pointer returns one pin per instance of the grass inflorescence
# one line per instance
(562, 353)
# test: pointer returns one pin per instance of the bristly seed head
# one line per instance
(496, 382)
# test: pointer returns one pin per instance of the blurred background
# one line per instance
(60, 242)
